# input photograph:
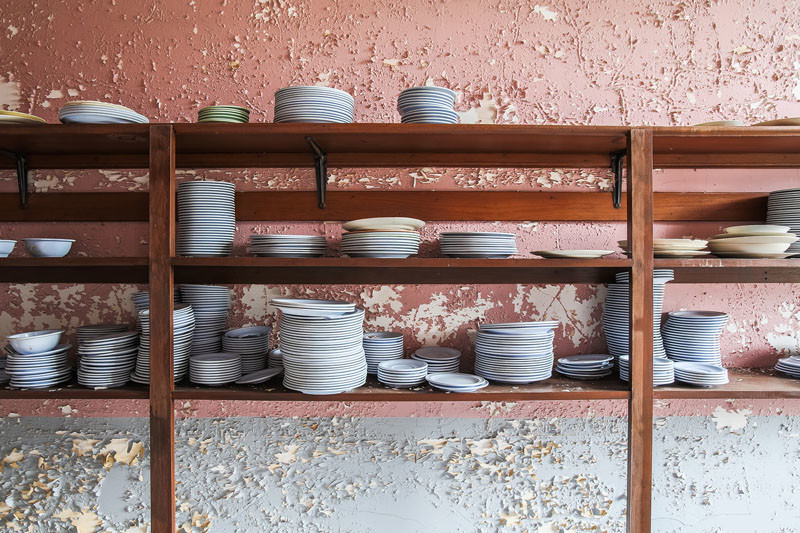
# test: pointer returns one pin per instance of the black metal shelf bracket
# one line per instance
(22, 175)
(617, 158)
(321, 169)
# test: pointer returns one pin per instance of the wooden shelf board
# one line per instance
(73, 391)
(714, 270)
(73, 269)
(756, 383)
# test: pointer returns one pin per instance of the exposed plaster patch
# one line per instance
(546, 12)
(734, 420)
(10, 94)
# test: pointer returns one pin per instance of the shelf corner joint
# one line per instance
(22, 175)
(617, 159)
(321, 170)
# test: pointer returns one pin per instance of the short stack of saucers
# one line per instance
(206, 218)
(456, 382)
(439, 358)
(182, 329)
(94, 112)
(478, 244)
(91, 331)
(215, 368)
(700, 374)
(586, 366)
(224, 113)
(663, 370)
(402, 373)
(13, 117)
(38, 361)
(675, 248)
(783, 209)
(252, 343)
(380, 346)
(288, 245)
(789, 366)
(313, 104)
(515, 352)
(210, 305)
(427, 105)
(755, 242)
(107, 360)
(388, 237)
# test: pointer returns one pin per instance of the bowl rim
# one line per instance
(35, 334)
(46, 239)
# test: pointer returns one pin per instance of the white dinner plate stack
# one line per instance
(615, 314)
(210, 304)
(783, 209)
(789, 366)
(215, 368)
(675, 247)
(275, 359)
(389, 237)
(39, 370)
(516, 352)
(456, 382)
(94, 112)
(141, 300)
(700, 374)
(380, 346)
(107, 360)
(182, 329)
(663, 370)
(206, 218)
(694, 336)
(478, 244)
(586, 366)
(754, 241)
(84, 333)
(402, 373)
(252, 343)
(288, 245)
(427, 105)
(313, 104)
(439, 358)
(321, 345)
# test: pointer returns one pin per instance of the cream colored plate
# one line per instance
(572, 254)
(771, 248)
(384, 223)
(673, 244)
(757, 229)
(792, 121)
(17, 115)
(745, 255)
(753, 234)
(5, 119)
(787, 238)
(680, 253)
(95, 102)
(722, 123)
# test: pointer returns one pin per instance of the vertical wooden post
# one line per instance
(640, 406)
(162, 248)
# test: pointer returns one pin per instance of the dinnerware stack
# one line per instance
(215, 368)
(13, 117)
(94, 112)
(210, 305)
(388, 237)
(182, 329)
(783, 209)
(84, 333)
(252, 343)
(107, 360)
(517, 352)
(456, 382)
(141, 299)
(402, 373)
(663, 370)
(427, 105)
(674, 247)
(275, 359)
(572, 254)
(288, 245)
(206, 218)
(586, 366)
(700, 374)
(313, 104)
(755, 241)
(480, 244)
(789, 366)
(616, 313)
(439, 358)
(224, 113)
(321, 345)
(694, 336)
(380, 346)
(36, 360)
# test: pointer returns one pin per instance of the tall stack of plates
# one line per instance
(789, 366)
(13, 117)
(439, 358)
(215, 368)
(252, 343)
(182, 329)
(700, 374)
(396, 237)
(754, 241)
(663, 370)
(85, 333)
(321, 345)
(517, 352)
(586, 366)
(107, 360)
(141, 301)
(427, 105)
(288, 245)
(783, 209)
(484, 244)
(206, 218)
(402, 373)
(275, 359)
(210, 304)
(675, 247)
(455, 382)
(616, 313)
(380, 346)
(4, 376)
(313, 104)
(224, 113)
(39, 370)
(94, 112)
(694, 336)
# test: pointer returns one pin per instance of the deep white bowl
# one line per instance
(48, 247)
(33, 342)
(6, 247)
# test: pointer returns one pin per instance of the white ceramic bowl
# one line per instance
(33, 342)
(48, 247)
(6, 247)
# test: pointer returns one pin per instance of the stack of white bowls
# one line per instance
(107, 360)
(84, 333)
(663, 370)
(402, 373)
(586, 366)
(252, 343)
(288, 245)
(427, 105)
(754, 241)
(275, 359)
(321, 345)
(313, 104)
(38, 361)
(789, 366)
(215, 368)
(206, 218)
(389, 237)
(694, 336)
(182, 329)
(439, 358)
(478, 244)
(783, 209)
(380, 346)
(516, 352)
(94, 112)
(210, 304)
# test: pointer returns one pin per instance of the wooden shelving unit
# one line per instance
(164, 147)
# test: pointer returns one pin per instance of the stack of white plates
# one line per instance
(520, 352)
(479, 244)
(427, 105)
(210, 304)
(182, 329)
(94, 112)
(616, 313)
(783, 209)
(85, 333)
(141, 300)
(224, 113)
(288, 245)
(215, 368)
(107, 360)
(206, 218)
(586, 366)
(754, 241)
(694, 336)
(39, 370)
(396, 237)
(439, 358)
(313, 104)
(382, 346)
(402, 373)
(663, 370)
(275, 359)
(252, 343)
(700, 374)
(13, 117)
(321, 346)
(789, 366)
(455, 382)
(675, 247)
